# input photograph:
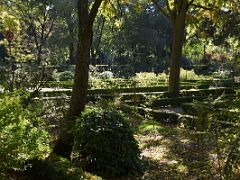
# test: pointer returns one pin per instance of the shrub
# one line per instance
(145, 75)
(93, 73)
(55, 75)
(104, 143)
(20, 140)
(55, 167)
(66, 76)
(189, 75)
(150, 79)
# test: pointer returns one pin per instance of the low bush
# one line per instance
(66, 76)
(55, 167)
(190, 75)
(22, 137)
(105, 145)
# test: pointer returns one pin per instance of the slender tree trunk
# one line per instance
(71, 48)
(39, 55)
(178, 38)
(71, 53)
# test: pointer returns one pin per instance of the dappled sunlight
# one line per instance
(173, 152)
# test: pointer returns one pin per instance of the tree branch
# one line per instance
(160, 8)
(203, 7)
(180, 6)
(94, 11)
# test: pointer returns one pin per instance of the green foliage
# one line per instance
(105, 145)
(150, 78)
(138, 39)
(55, 167)
(22, 137)
(190, 75)
(9, 22)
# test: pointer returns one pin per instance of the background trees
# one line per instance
(138, 40)
(178, 12)
(131, 34)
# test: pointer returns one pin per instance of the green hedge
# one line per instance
(163, 102)
(174, 101)
(165, 117)
(206, 92)
(112, 83)
(110, 91)
(128, 83)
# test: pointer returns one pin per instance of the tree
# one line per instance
(27, 26)
(87, 13)
(133, 41)
(66, 11)
(177, 12)
(38, 17)
(86, 19)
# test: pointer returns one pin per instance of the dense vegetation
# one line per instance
(23, 136)
(120, 89)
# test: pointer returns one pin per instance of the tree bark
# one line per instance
(178, 39)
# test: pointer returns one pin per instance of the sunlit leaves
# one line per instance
(20, 140)
(9, 22)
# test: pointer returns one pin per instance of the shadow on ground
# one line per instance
(170, 152)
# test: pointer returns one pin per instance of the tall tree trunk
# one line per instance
(79, 92)
(178, 38)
